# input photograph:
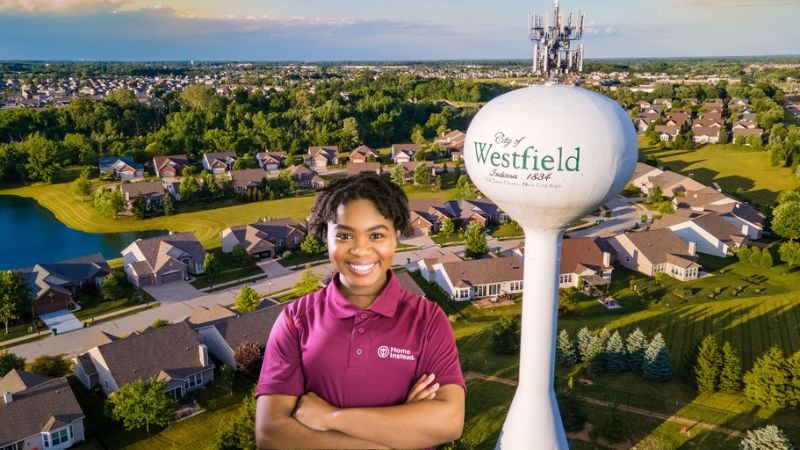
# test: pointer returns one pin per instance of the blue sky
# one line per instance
(374, 29)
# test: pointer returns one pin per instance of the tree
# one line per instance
(50, 365)
(790, 253)
(139, 206)
(81, 186)
(238, 433)
(786, 220)
(448, 227)
(506, 335)
(247, 300)
(657, 365)
(212, 267)
(189, 188)
(398, 174)
(465, 187)
(109, 202)
(613, 427)
(9, 362)
(475, 241)
(422, 177)
(584, 340)
(141, 403)
(769, 437)
(44, 158)
(709, 365)
(248, 357)
(596, 355)
(656, 195)
(766, 259)
(635, 345)
(307, 283)
(159, 323)
(755, 257)
(15, 296)
(572, 414)
(730, 377)
(168, 205)
(743, 254)
(615, 359)
(111, 289)
(227, 374)
(765, 383)
(311, 245)
(565, 349)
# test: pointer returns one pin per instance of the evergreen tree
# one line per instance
(730, 377)
(475, 241)
(613, 427)
(769, 437)
(422, 175)
(708, 366)
(398, 174)
(311, 245)
(765, 383)
(597, 349)
(212, 267)
(572, 414)
(506, 335)
(793, 386)
(169, 205)
(448, 227)
(635, 345)
(247, 300)
(82, 186)
(766, 259)
(584, 340)
(616, 359)
(139, 206)
(656, 195)
(657, 365)
(565, 349)
(743, 254)
(755, 257)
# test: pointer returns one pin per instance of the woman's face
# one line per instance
(361, 246)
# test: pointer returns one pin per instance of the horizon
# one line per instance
(355, 30)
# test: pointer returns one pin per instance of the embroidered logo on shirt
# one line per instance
(395, 353)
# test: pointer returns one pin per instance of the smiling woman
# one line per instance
(361, 363)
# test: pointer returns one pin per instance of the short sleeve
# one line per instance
(281, 372)
(440, 356)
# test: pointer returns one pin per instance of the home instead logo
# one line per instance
(534, 163)
(395, 353)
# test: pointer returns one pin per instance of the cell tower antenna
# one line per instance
(553, 52)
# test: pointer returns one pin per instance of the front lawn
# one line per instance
(231, 270)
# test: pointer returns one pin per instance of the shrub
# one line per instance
(506, 335)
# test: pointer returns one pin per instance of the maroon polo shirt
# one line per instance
(354, 357)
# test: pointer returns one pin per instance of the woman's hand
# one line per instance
(423, 389)
(313, 411)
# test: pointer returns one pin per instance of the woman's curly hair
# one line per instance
(388, 198)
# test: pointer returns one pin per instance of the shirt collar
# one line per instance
(385, 304)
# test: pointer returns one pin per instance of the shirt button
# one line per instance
(359, 351)
(363, 315)
(361, 330)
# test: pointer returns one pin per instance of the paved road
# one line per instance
(624, 215)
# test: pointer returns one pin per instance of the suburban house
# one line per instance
(38, 412)
(271, 160)
(435, 256)
(218, 162)
(410, 168)
(736, 103)
(667, 133)
(302, 176)
(153, 192)
(404, 152)
(170, 166)
(642, 124)
(451, 142)
(121, 167)
(744, 124)
(478, 278)
(246, 179)
(712, 234)
(428, 216)
(159, 260)
(706, 123)
(54, 285)
(698, 200)
(173, 187)
(711, 115)
(355, 168)
(202, 315)
(706, 135)
(264, 239)
(679, 119)
(671, 183)
(172, 354)
(743, 216)
(362, 154)
(651, 113)
(641, 175)
(653, 251)
(665, 103)
(322, 157)
(714, 103)
(223, 336)
(585, 258)
(747, 132)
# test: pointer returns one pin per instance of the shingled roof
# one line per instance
(70, 271)
(582, 253)
(251, 327)
(475, 272)
(157, 254)
(38, 404)
(658, 245)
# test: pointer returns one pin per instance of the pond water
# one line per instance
(31, 234)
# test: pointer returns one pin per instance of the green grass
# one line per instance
(508, 230)
(740, 171)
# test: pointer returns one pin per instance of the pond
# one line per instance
(31, 234)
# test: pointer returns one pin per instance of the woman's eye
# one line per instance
(343, 237)
(376, 236)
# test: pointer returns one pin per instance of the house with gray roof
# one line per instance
(320, 157)
(671, 183)
(152, 191)
(121, 167)
(712, 234)
(246, 179)
(362, 154)
(170, 166)
(218, 162)
(404, 152)
(264, 239)
(162, 259)
(355, 168)
(54, 285)
(271, 160)
(478, 278)
(742, 216)
(225, 335)
(172, 354)
(38, 412)
(653, 251)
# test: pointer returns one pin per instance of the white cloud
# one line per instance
(738, 3)
(62, 6)
(595, 29)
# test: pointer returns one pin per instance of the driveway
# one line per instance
(61, 321)
(273, 268)
(175, 291)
